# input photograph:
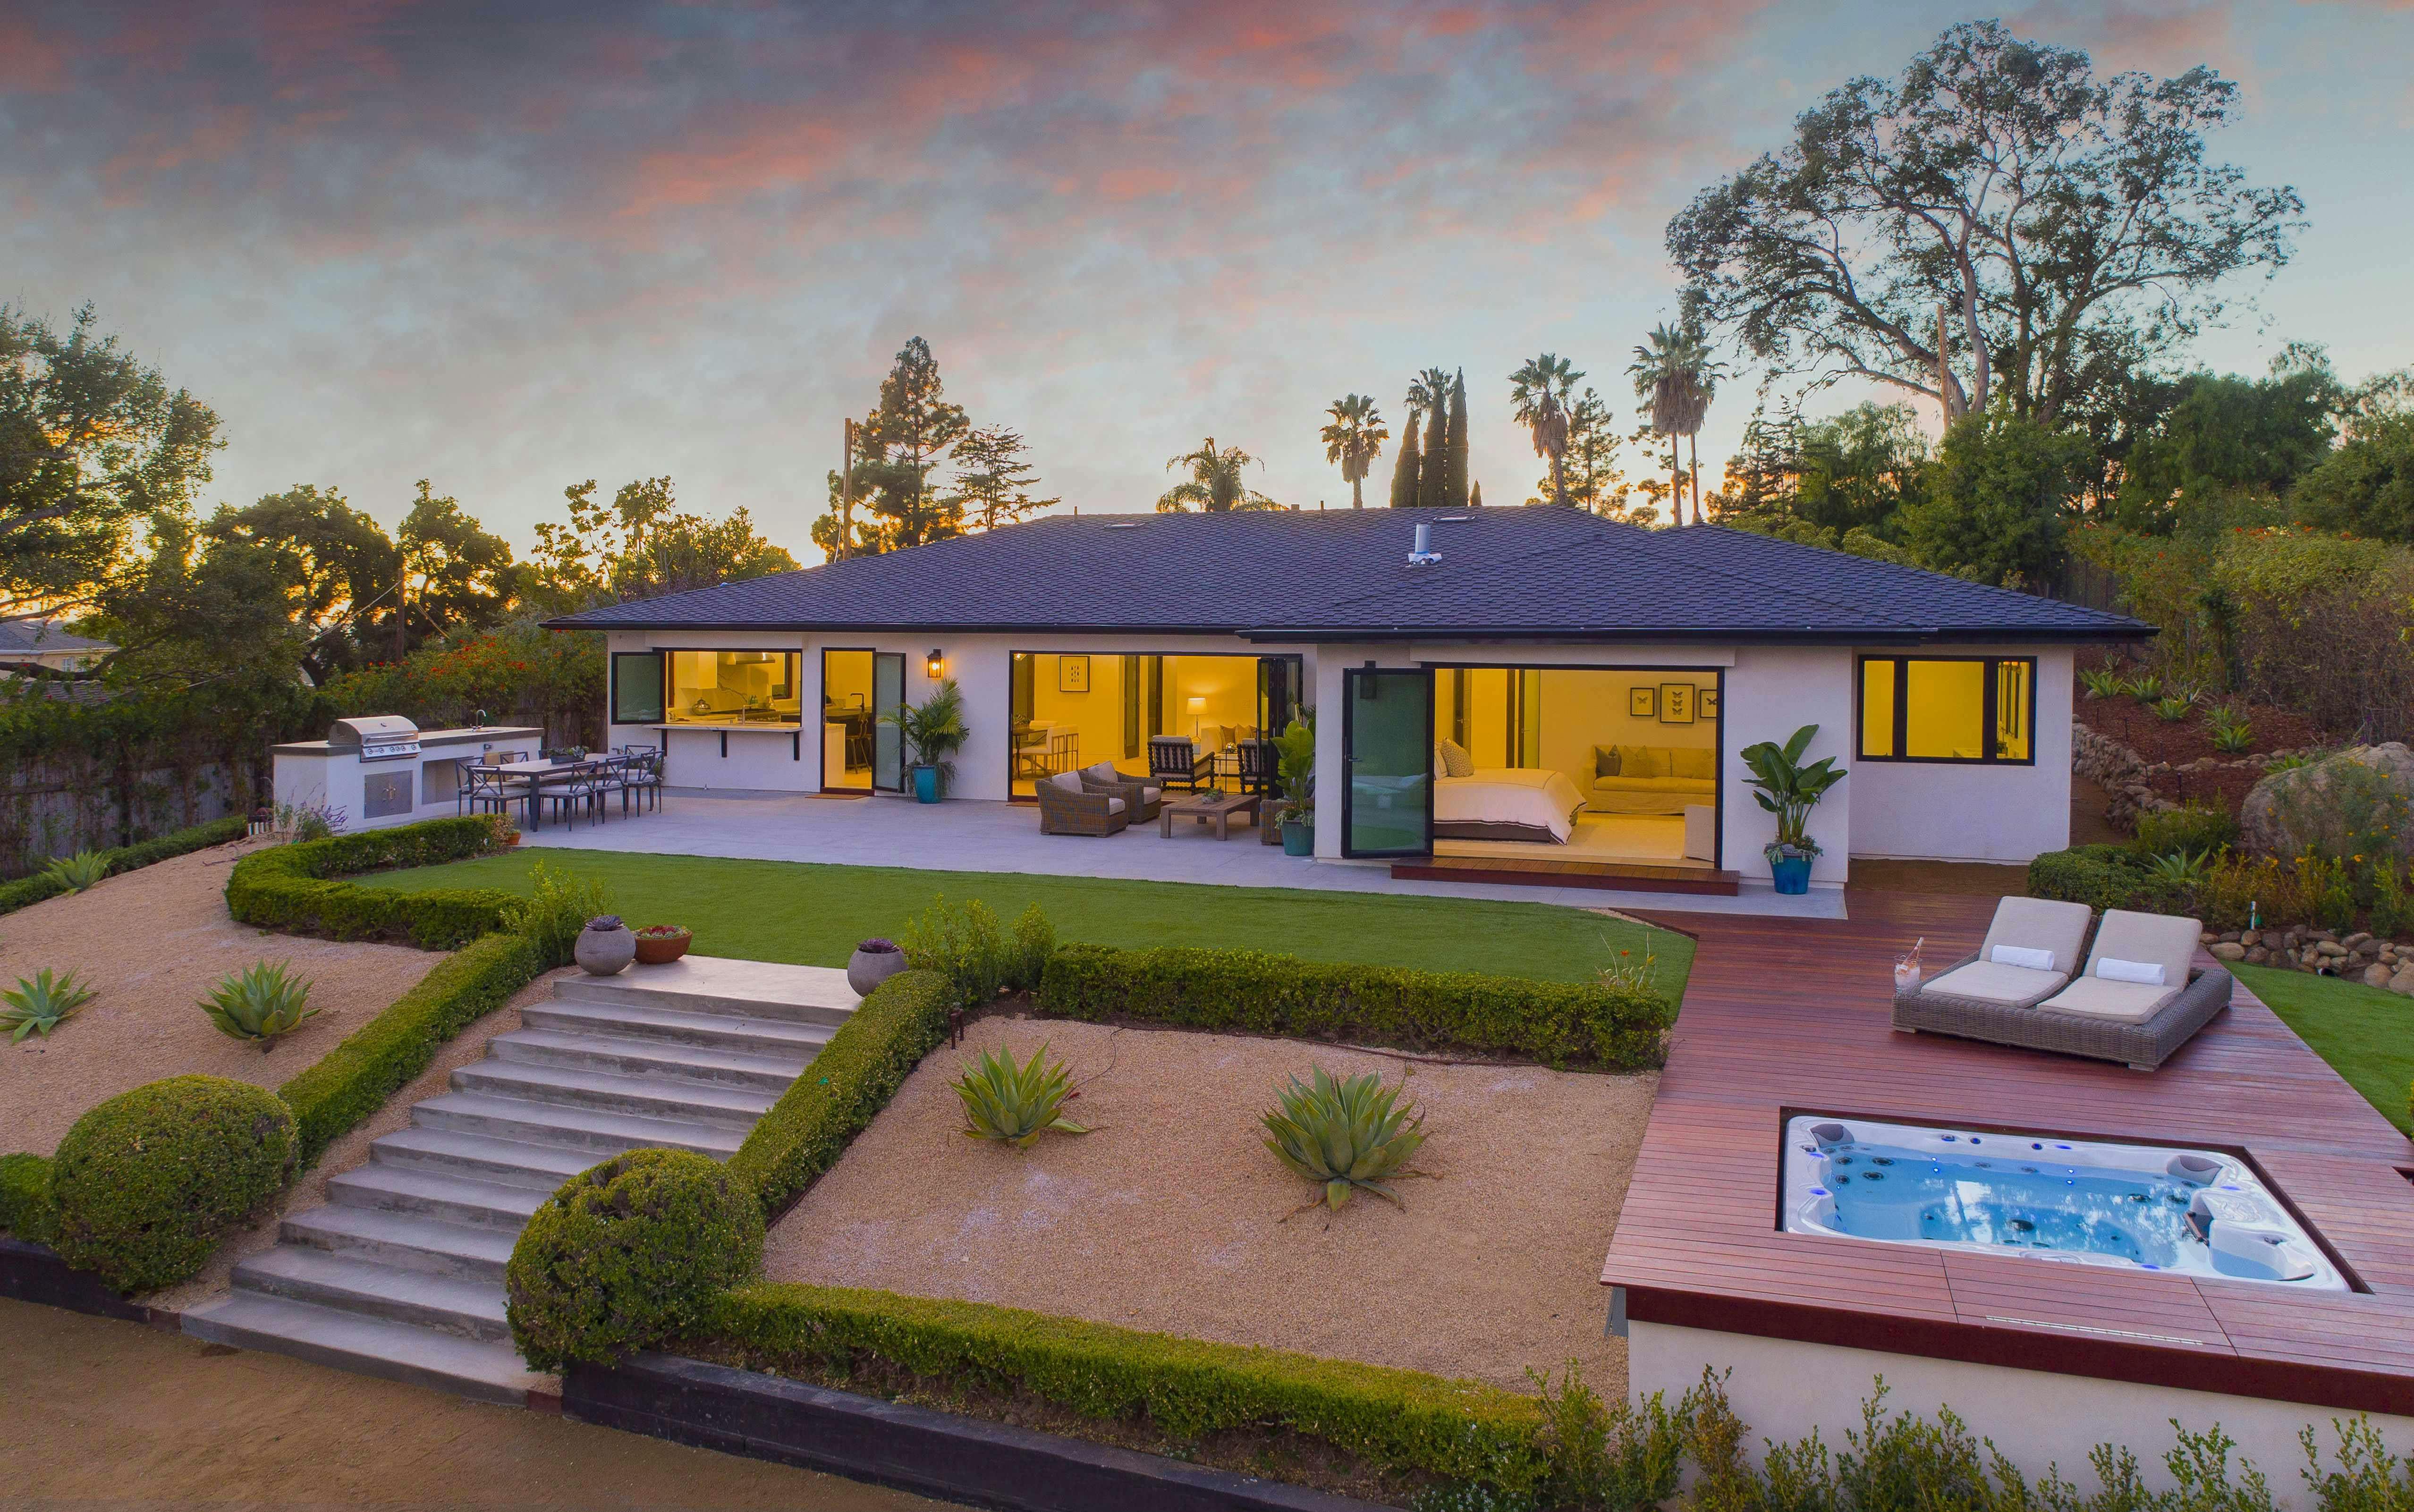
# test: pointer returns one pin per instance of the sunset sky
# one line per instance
(510, 248)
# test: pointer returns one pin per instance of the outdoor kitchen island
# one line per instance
(382, 769)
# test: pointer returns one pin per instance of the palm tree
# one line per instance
(1675, 375)
(1354, 434)
(1538, 398)
(1214, 484)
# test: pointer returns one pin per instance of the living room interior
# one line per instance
(1568, 764)
(1072, 710)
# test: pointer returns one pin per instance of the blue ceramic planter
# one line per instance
(1298, 840)
(926, 784)
(1792, 874)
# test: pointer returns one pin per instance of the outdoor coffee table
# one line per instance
(1216, 808)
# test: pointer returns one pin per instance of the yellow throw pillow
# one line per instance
(1641, 761)
(1700, 763)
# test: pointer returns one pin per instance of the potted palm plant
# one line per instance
(934, 730)
(1790, 790)
(1295, 766)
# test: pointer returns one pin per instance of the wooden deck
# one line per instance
(1612, 876)
(1785, 1017)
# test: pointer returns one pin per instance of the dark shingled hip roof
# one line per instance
(1518, 572)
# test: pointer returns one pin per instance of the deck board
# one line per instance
(1789, 1015)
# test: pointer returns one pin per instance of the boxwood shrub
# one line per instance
(25, 891)
(844, 1088)
(1403, 1421)
(1560, 1024)
(25, 1197)
(353, 1080)
(627, 1255)
(296, 889)
(147, 1182)
(2102, 877)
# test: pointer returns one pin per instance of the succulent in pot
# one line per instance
(659, 945)
(605, 946)
(875, 961)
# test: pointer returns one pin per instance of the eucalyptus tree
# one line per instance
(1352, 437)
(1214, 484)
(1999, 212)
(1538, 399)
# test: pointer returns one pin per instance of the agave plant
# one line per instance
(1012, 1103)
(2181, 868)
(1345, 1135)
(2172, 710)
(77, 872)
(2231, 731)
(2103, 682)
(2145, 688)
(259, 1002)
(41, 1004)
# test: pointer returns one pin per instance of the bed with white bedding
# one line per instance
(1506, 803)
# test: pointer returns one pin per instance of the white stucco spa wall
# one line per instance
(1947, 811)
(1782, 1390)
(1772, 692)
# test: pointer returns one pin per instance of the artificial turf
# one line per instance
(813, 916)
(2365, 1033)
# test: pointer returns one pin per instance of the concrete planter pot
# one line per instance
(605, 947)
(867, 969)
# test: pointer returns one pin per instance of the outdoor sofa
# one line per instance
(2137, 1000)
(1067, 807)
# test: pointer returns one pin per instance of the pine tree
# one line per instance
(1431, 475)
(1453, 475)
(1406, 466)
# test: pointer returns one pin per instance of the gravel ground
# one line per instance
(1170, 1216)
(152, 942)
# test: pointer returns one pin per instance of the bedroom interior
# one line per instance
(1614, 765)
(1070, 710)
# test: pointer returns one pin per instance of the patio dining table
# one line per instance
(536, 773)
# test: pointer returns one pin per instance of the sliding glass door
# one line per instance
(1387, 747)
(888, 741)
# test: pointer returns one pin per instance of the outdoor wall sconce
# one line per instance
(934, 666)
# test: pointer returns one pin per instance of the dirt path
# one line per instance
(152, 942)
(115, 1415)
(1169, 1216)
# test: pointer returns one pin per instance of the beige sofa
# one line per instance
(1652, 779)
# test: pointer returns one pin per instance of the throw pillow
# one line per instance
(1640, 761)
(1102, 772)
(1452, 760)
(2036, 961)
(1699, 765)
(2148, 972)
(1604, 761)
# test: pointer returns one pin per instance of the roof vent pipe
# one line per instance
(1423, 555)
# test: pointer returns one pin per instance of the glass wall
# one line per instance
(733, 688)
(1073, 710)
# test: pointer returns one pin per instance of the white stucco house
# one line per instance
(1549, 686)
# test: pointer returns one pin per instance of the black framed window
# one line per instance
(1949, 709)
(636, 688)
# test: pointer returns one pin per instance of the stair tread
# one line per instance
(720, 985)
(672, 1057)
(416, 1231)
(640, 1128)
(635, 1019)
(489, 1369)
(556, 1161)
(367, 1278)
(433, 1186)
(715, 1098)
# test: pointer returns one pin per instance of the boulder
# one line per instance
(2306, 806)
(2403, 982)
(2257, 956)
(2229, 950)
(2376, 976)
(2357, 940)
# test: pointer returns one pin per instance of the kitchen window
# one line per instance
(1976, 709)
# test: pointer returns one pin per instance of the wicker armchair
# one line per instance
(1143, 799)
(1066, 808)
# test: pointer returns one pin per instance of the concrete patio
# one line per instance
(969, 836)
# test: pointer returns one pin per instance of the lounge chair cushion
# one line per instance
(2038, 923)
(2150, 938)
(1114, 806)
(1069, 781)
(1102, 772)
(1993, 982)
(1151, 794)
(2123, 1002)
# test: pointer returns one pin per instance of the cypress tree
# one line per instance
(1454, 474)
(1475, 497)
(1430, 473)
(1405, 467)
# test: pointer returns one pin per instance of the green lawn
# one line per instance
(784, 911)
(2366, 1034)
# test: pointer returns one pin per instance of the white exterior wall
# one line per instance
(1956, 813)
(1782, 1390)
(1772, 692)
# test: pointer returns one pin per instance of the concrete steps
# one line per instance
(401, 1275)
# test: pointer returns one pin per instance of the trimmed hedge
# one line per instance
(1560, 1024)
(844, 1088)
(627, 1255)
(25, 1197)
(2102, 877)
(294, 889)
(26, 891)
(148, 1181)
(353, 1080)
(1459, 1430)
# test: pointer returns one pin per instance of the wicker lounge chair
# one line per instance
(1991, 979)
(2139, 1024)
(1142, 798)
(1066, 808)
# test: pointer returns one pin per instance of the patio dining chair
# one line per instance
(641, 778)
(1176, 762)
(583, 787)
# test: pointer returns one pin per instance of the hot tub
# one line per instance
(2136, 1206)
